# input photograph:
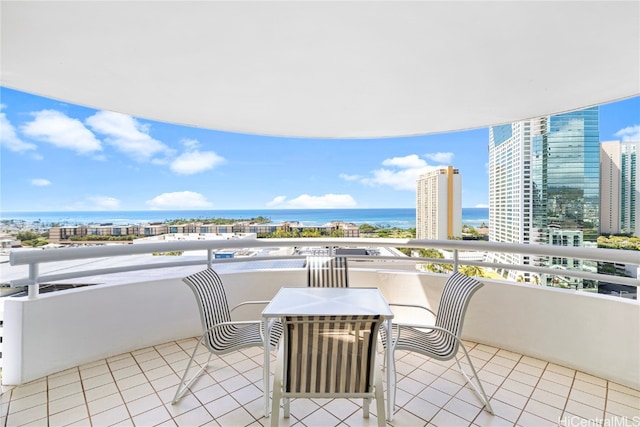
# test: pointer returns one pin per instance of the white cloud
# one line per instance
(305, 201)
(56, 128)
(401, 173)
(103, 203)
(127, 135)
(481, 205)
(278, 200)
(179, 199)
(442, 158)
(190, 144)
(630, 133)
(40, 182)
(194, 161)
(347, 177)
(410, 161)
(8, 136)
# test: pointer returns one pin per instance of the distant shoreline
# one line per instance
(384, 217)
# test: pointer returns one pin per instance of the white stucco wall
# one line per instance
(595, 334)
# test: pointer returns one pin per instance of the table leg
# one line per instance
(390, 375)
(265, 373)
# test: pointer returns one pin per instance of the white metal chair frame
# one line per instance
(331, 360)
(221, 336)
(448, 342)
(327, 271)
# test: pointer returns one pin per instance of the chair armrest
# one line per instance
(393, 304)
(233, 323)
(249, 303)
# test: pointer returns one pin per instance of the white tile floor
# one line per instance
(136, 389)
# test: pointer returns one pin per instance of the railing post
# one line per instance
(210, 258)
(34, 287)
(455, 260)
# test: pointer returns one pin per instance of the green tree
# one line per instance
(27, 235)
(471, 270)
(435, 267)
(311, 233)
(367, 228)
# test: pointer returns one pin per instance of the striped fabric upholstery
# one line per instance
(451, 312)
(327, 272)
(214, 309)
(330, 354)
(444, 340)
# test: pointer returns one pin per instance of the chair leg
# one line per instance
(286, 407)
(381, 414)
(277, 393)
(392, 365)
(182, 386)
(477, 388)
(365, 407)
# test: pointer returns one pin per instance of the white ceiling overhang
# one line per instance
(323, 68)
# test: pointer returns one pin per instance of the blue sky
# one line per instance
(61, 157)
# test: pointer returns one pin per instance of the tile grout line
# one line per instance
(86, 402)
(534, 389)
(115, 382)
(442, 408)
(566, 402)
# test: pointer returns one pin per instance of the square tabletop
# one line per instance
(327, 302)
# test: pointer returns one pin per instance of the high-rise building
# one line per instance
(439, 205)
(619, 188)
(544, 186)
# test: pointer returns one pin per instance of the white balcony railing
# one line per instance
(34, 258)
(140, 303)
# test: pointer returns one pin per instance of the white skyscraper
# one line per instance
(619, 187)
(544, 186)
(439, 204)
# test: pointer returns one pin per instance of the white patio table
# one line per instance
(306, 301)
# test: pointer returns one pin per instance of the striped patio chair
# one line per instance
(221, 335)
(442, 340)
(327, 271)
(328, 357)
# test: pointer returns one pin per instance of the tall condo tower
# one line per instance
(544, 186)
(439, 205)
(619, 187)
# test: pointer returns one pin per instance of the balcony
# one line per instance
(111, 353)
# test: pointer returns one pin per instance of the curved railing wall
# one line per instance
(47, 333)
(33, 258)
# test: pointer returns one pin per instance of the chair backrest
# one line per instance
(329, 354)
(327, 272)
(212, 304)
(453, 305)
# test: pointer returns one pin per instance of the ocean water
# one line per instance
(399, 217)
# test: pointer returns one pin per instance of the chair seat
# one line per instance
(235, 337)
(433, 343)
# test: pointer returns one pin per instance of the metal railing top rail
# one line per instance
(36, 256)
(33, 258)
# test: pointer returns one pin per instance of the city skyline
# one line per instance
(58, 157)
(545, 180)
